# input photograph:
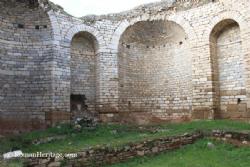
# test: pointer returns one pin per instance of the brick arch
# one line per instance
(68, 36)
(184, 23)
(233, 15)
(217, 23)
(55, 26)
(225, 15)
(132, 83)
(181, 21)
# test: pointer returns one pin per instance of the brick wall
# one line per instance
(229, 71)
(83, 68)
(155, 70)
(26, 65)
(199, 79)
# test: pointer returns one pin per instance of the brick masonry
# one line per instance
(168, 61)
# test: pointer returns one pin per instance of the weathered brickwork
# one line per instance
(168, 61)
(154, 70)
(26, 55)
(83, 68)
(228, 60)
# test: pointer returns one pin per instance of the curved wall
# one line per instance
(163, 71)
(155, 72)
(25, 66)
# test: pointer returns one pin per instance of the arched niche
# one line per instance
(155, 75)
(83, 73)
(228, 77)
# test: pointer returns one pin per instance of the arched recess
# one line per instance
(228, 70)
(69, 34)
(155, 75)
(225, 15)
(84, 47)
(183, 21)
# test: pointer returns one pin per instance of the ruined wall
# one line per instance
(25, 68)
(209, 78)
(157, 62)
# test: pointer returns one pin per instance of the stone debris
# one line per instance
(108, 154)
(48, 139)
(210, 145)
(245, 142)
(112, 154)
(13, 154)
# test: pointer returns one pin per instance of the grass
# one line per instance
(196, 155)
(117, 135)
(108, 134)
(12, 163)
(112, 135)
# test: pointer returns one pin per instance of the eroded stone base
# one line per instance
(53, 118)
(26, 123)
(144, 118)
(18, 125)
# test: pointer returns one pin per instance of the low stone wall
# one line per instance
(239, 136)
(97, 157)
(107, 155)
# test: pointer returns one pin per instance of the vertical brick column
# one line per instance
(60, 110)
(202, 101)
(107, 83)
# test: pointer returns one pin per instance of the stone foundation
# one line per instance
(107, 155)
(145, 118)
(11, 125)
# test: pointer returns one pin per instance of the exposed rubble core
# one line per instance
(174, 60)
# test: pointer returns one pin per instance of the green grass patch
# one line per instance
(12, 163)
(196, 155)
(113, 135)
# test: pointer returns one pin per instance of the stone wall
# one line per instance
(202, 74)
(83, 69)
(228, 61)
(26, 56)
(155, 71)
(104, 155)
(198, 24)
(111, 155)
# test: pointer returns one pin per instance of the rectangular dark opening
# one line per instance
(77, 100)
(20, 26)
(33, 3)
